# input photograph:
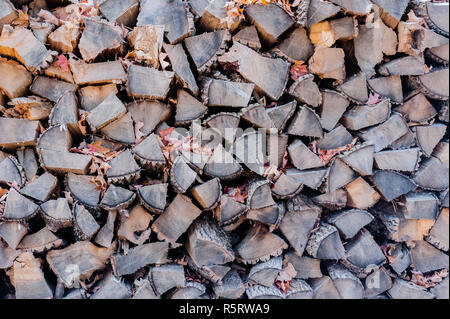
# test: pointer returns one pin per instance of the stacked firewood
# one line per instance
(224, 149)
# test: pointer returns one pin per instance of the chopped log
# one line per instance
(192, 290)
(98, 73)
(324, 288)
(123, 12)
(204, 48)
(148, 83)
(41, 30)
(441, 152)
(373, 40)
(232, 286)
(213, 273)
(414, 38)
(426, 258)
(328, 63)
(439, 54)
(8, 13)
(176, 219)
(65, 112)
(229, 210)
(40, 241)
(32, 108)
(139, 257)
(305, 90)
(276, 147)
(259, 194)
(64, 38)
(339, 137)
(181, 175)
(333, 201)
(402, 289)
(386, 133)
(312, 178)
(429, 136)
(7, 255)
(173, 15)
(91, 48)
(41, 188)
(325, 243)
(225, 124)
(347, 284)
(20, 43)
(136, 226)
(441, 290)
(360, 159)
(228, 94)
(208, 194)
(248, 149)
(123, 168)
(362, 116)
(444, 198)
(270, 77)
(117, 198)
(13, 232)
(85, 225)
(154, 197)
(435, 15)
(257, 116)
(188, 108)
(83, 190)
(92, 96)
(270, 215)
(54, 71)
(344, 29)
(77, 261)
(15, 133)
(299, 221)
(166, 277)
(60, 162)
(148, 153)
(398, 160)
(361, 195)
(57, 214)
(362, 254)
(208, 244)
(28, 279)
(319, 10)
(332, 108)
(18, 207)
(377, 282)
(306, 267)
(265, 273)
(214, 15)
(105, 235)
(106, 112)
(339, 175)
(305, 123)
(12, 172)
(355, 88)
(263, 292)
(286, 187)
(417, 109)
(121, 130)
(50, 88)
(270, 20)
(144, 290)
(433, 84)
(15, 78)
(222, 165)
(389, 87)
(409, 65)
(350, 222)
(392, 185)
(423, 205)
(432, 175)
(180, 65)
(392, 12)
(299, 289)
(111, 287)
(354, 7)
(248, 36)
(401, 259)
(280, 115)
(302, 157)
(438, 235)
(259, 245)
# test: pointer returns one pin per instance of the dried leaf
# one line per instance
(287, 273)
(62, 63)
(98, 148)
(3, 192)
(21, 20)
(298, 69)
(374, 98)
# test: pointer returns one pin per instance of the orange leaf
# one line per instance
(62, 63)
(3, 192)
(98, 148)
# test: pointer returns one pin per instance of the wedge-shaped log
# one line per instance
(441, 290)
(392, 184)
(65, 112)
(64, 38)
(15, 79)
(232, 286)
(428, 136)
(398, 160)
(98, 73)
(392, 12)
(136, 227)
(117, 198)
(148, 83)
(248, 149)
(111, 287)
(432, 175)
(60, 162)
(121, 130)
(328, 63)
(421, 205)
(257, 116)
(181, 175)
(40, 241)
(426, 258)
(19, 207)
(193, 290)
(286, 187)
(229, 210)
(417, 109)
(339, 175)
(222, 165)
(319, 11)
(362, 116)
(41, 188)
(7, 255)
(355, 88)
(91, 96)
(149, 152)
(31, 108)
(85, 225)
(55, 138)
(347, 284)
(227, 93)
(151, 113)
(123, 168)
(214, 14)
(360, 158)
(248, 36)
(438, 235)
(296, 46)
(50, 88)
(305, 90)
(154, 197)
(13, 232)
(339, 137)
(306, 267)
(265, 273)
(280, 115)
(312, 178)
(15, 133)
(302, 157)
(350, 222)
(408, 65)
(57, 214)
(105, 235)
(11, 172)
(108, 111)
(83, 190)
(377, 282)
(334, 200)
(225, 124)
(188, 108)
(259, 194)
(325, 243)
(412, 44)
(305, 123)
(433, 84)
(208, 194)
(435, 14)
(122, 12)
(354, 7)
(332, 108)
(389, 87)
(166, 277)
(402, 289)
(361, 195)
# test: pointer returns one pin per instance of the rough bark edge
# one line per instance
(120, 206)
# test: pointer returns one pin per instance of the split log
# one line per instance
(386, 133)
(259, 194)
(154, 197)
(333, 200)
(227, 94)
(139, 257)
(123, 12)
(339, 175)
(299, 289)
(77, 261)
(259, 245)
(213, 273)
(248, 36)
(302, 157)
(360, 158)
(13, 233)
(18, 207)
(32, 108)
(123, 168)
(328, 63)
(188, 108)
(270, 77)
(7, 255)
(350, 222)
(402, 289)
(173, 15)
(265, 273)
(214, 15)
(65, 112)
(111, 287)
(339, 137)
(306, 267)
(204, 48)
(148, 83)
(117, 198)
(270, 20)
(62, 162)
(225, 124)
(319, 10)
(429, 136)
(312, 178)
(438, 235)
(64, 38)
(361, 195)
(409, 65)
(176, 219)
(222, 165)
(180, 65)
(12, 172)
(15, 79)
(148, 153)
(263, 292)
(362, 116)
(286, 187)
(433, 84)
(106, 112)
(270, 215)
(8, 13)
(208, 244)
(144, 290)
(257, 116)
(305, 123)
(92, 96)
(232, 286)
(435, 15)
(248, 149)
(439, 54)
(20, 43)
(181, 175)
(389, 87)
(85, 225)
(136, 226)
(91, 48)
(355, 88)
(229, 210)
(28, 279)
(54, 71)
(280, 115)
(41, 30)
(398, 160)
(121, 130)
(98, 73)
(444, 198)
(57, 214)
(324, 288)
(299, 221)
(441, 152)
(426, 258)
(83, 190)
(16, 133)
(392, 185)
(391, 12)
(208, 194)
(347, 284)
(305, 90)
(41, 188)
(423, 205)
(377, 282)
(325, 243)
(357, 8)
(414, 38)
(105, 235)
(50, 88)
(417, 109)
(276, 147)
(192, 290)
(40, 241)
(432, 175)
(332, 108)
(401, 259)
(166, 277)
(441, 290)
(151, 113)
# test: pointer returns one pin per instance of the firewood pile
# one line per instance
(184, 149)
